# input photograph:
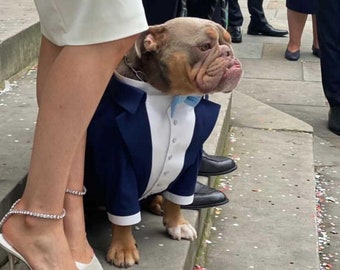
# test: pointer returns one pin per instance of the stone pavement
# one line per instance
(295, 88)
(287, 183)
(19, 32)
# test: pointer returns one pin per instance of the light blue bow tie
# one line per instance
(189, 100)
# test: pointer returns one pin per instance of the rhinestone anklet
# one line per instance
(76, 192)
(12, 211)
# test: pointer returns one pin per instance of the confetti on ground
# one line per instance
(197, 267)
(218, 210)
(7, 88)
(327, 259)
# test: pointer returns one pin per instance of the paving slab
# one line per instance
(284, 92)
(272, 69)
(16, 16)
(304, 99)
(257, 115)
(19, 36)
(270, 222)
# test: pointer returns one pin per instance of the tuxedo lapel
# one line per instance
(133, 125)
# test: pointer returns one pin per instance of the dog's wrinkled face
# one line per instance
(192, 55)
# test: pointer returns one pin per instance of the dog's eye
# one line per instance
(205, 47)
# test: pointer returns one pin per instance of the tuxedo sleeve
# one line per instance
(181, 191)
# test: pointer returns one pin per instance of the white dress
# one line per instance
(83, 22)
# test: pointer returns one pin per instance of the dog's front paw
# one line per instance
(183, 231)
(123, 255)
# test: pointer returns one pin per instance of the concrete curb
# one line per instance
(19, 51)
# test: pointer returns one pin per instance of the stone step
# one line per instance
(19, 36)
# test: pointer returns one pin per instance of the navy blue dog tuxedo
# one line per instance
(137, 147)
(147, 134)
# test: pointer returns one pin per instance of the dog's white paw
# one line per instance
(184, 231)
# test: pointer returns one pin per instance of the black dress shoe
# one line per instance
(292, 56)
(316, 51)
(206, 197)
(235, 33)
(265, 30)
(216, 165)
(334, 120)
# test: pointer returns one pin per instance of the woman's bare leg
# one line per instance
(296, 24)
(70, 94)
(48, 54)
(74, 224)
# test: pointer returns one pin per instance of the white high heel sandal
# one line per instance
(11, 252)
(94, 264)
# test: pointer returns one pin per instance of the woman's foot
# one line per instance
(41, 242)
(316, 51)
(292, 52)
(292, 56)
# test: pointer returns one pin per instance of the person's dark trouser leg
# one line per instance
(235, 17)
(199, 8)
(206, 9)
(328, 19)
(258, 23)
(255, 8)
(235, 21)
(158, 12)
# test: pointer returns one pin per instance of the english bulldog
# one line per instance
(147, 133)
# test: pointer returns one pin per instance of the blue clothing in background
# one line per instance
(302, 6)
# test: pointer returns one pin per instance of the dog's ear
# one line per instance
(156, 38)
(151, 40)
(139, 43)
(227, 36)
(224, 36)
